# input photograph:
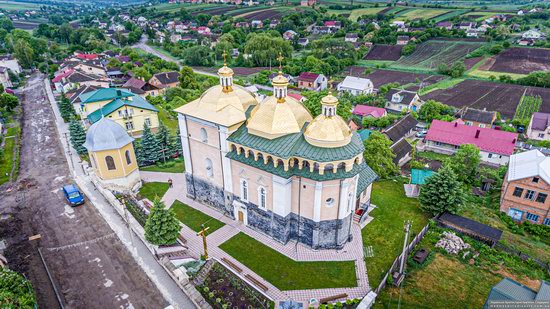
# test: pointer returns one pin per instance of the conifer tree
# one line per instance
(442, 192)
(66, 109)
(178, 145)
(78, 136)
(162, 227)
(139, 153)
(165, 142)
(150, 150)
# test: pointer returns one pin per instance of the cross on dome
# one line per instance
(280, 82)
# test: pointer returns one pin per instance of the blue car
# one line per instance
(73, 195)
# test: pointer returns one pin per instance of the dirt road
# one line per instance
(90, 265)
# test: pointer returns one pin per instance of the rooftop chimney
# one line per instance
(119, 94)
(477, 133)
(514, 141)
(456, 124)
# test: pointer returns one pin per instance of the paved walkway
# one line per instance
(143, 257)
(352, 251)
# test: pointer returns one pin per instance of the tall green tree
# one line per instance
(8, 101)
(442, 192)
(150, 149)
(24, 53)
(66, 109)
(465, 163)
(165, 141)
(162, 227)
(379, 156)
(78, 136)
(265, 48)
(187, 78)
(179, 146)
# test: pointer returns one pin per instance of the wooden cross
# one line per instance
(280, 58)
(202, 233)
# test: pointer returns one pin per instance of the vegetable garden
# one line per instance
(430, 54)
(526, 108)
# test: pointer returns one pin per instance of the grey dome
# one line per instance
(106, 134)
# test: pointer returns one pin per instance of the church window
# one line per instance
(204, 136)
(244, 190)
(262, 197)
(110, 163)
(209, 169)
(350, 201)
(128, 158)
(330, 202)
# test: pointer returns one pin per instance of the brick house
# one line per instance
(312, 81)
(165, 80)
(478, 118)
(526, 188)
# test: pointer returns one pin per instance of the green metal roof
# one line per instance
(365, 133)
(366, 177)
(137, 102)
(295, 145)
(508, 289)
(105, 94)
(304, 172)
(418, 177)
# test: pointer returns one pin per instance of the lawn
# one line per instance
(444, 281)
(172, 166)
(285, 273)
(385, 232)
(421, 14)
(170, 122)
(193, 218)
(151, 190)
(444, 84)
(487, 74)
(7, 163)
(430, 155)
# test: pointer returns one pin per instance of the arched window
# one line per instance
(110, 163)
(204, 136)
(209, 169)
(350, 201)
(244, 190)
(128, 158)
(262, 197)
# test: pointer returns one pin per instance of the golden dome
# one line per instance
(225, 108)
(280, 80)
(225, 71)
(272, 119)
(328, 130)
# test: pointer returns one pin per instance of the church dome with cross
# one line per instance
(328, 130)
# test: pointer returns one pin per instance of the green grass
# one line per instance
(355, 14)
(448, 15)
(444, 84)
(169, 121)
(151, 190)
(430, 155)
(444, 281)
(285, 273)
(487, 74)
(194, 219)
(385, 232)
(9, 160)
(422, 14)
(173, 166)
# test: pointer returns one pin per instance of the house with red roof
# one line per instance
(369, 111)
(312, 81)
(495, 146)
(84, 56)
(333, 24)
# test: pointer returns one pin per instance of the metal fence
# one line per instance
(397, 261)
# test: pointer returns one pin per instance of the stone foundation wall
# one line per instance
(207, 193)
(329, 234)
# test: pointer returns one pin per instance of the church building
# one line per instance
(273, 167)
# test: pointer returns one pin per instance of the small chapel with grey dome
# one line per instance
(271, 166)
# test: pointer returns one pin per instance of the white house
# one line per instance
(532, 34)
(356, 85)
(10, 63)
(5, 78)
(399, 100)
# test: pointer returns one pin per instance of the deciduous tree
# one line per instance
(465, 163)
(379, 156)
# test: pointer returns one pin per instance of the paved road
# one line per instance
(90, 265)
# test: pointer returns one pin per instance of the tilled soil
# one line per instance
(89, 264)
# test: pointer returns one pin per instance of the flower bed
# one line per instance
(222, 289)
(349, 304)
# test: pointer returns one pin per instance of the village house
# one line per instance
(533, 34)
(472, 33)
(129, 110)
(141, 87)
(303, 42)
(526, 187)
(365, 111)
(495, 146)
(478, 118)
(70, 79)
(402, 39)
(355, 86)
(165, 80)
(257, 24)
(11, 63)
(289, 35)
(5, 80)
(270, 165)
(274, 23)
(74, 97)
(351, 37)
(398, 100)
(308, 2)
(467, 25)
(445, 25)
(333, 24)
(510, 291)
(539, 127)
(397, 133)
(312, 81)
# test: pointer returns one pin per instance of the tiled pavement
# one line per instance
(351, 251)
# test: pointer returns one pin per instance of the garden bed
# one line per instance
(223, 289)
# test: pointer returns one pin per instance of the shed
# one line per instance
(365, 133)
(469, 227)
(418, 177)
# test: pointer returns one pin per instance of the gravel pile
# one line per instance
(452, 243)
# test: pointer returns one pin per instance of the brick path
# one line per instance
(298, 252)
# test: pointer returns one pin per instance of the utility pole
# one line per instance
(202, 233)
(399, 276)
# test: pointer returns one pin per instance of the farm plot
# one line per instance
(215, 11)
(421, 13)
(522, 60)
(355, 14)
(503, 98)
(25, 25)
(527, 107)
(18, 6)
(382, 77)
(430, 54)
(384, 52)
(264, 14)
(448, 15)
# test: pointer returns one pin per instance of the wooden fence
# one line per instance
(397, 261)
(524, 257)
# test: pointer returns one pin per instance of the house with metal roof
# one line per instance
(312, 81)
(165, 80)
(508, 290)
(398, 100)
(129, 110)
(526, 188)
(356, 86)
(272, 166)
(539, 127)
(478, 118)
(495, 146)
